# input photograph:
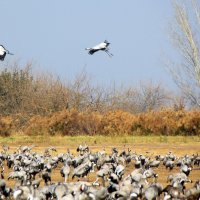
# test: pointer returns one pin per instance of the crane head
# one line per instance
(107, 42)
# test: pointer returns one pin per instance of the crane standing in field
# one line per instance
(3, 52)
(102, 46)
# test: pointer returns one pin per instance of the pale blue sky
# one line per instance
(54, 35)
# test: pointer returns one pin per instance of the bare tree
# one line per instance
(184, 34)
(151, 97)
(27, 93)
(145, 97)
(80, 91)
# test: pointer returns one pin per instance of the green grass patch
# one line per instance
(58, 140)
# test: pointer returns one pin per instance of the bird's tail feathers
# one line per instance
(87, 48)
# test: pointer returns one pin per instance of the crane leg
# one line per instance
(110, 54)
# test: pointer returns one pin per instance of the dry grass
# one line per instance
(97, 140)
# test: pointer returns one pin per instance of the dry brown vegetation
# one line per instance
(71, 122)
(25, 92)
(43, 104)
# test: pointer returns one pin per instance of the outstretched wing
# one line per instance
(92, 51)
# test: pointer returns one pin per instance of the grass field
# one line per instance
(20, 138)
(151, 145)
(179, 145)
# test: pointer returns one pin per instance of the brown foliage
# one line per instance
(5, 126)
(42, 104)
(117, 123)
(72, 122)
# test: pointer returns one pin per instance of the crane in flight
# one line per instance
(3, 52)
(103, 46)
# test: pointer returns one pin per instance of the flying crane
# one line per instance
(3, 52)
(100, 47)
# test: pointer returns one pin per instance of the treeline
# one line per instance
(28, 93)
(43, 103)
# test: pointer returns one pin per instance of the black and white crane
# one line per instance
(3, 52)
(103, 46)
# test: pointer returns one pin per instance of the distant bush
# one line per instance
(163, 122)
(169, 122)
(5, 126)
(75, 123)
(117, 122)
(22, 92)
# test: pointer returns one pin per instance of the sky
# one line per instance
(54, 35)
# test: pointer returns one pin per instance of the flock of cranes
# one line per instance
(103, 46)
(122, 175)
